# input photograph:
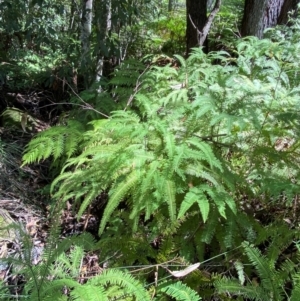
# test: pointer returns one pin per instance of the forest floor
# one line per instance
(25, 204)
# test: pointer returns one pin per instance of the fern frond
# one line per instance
(170, 193)
(180, 291)
(205, 148)
(56, 141)
(52, 289)
(130, 286)
(252, 292)
(295, 292)
(195, 195)
(265, 271)
(211, 226)
(181, 60)
(116, 195)
(88, 292)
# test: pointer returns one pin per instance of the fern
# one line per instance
(181, 292)
(57, 142)
(130, 286)
(59, 272)
(272, 279)
(126, 162)
(189, 144)
(195, 195)
(116, 196)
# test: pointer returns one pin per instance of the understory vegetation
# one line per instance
(188, 168)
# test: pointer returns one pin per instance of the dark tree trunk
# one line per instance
(288, 6)
(196, 12)
(103, 16)
(170, 5)
(262, 14)
(252, 23)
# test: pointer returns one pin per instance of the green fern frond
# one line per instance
(190, 198)
(181, 60)
(169, 144)
(229, 232)
(179, 96)
(88, 292)
(261, 263)
(89, 196)
(69, 263)
(56, 141)
(180, 291)
(52, 289)
(296, 290)
(116, 195)
(211, 226)
(205, 148)
(195, 195)
(252, 292)
(209, 177)
(266, 272)
(130, 286)
(147, 107)
(170, 194)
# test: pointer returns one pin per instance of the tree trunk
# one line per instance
(205, 30)
(86, 30)
(262, 14)
(252, 23)
(196, 11)
(170, 5)
(103, 21)
(272, 14)
(72, 15)
(288, 6)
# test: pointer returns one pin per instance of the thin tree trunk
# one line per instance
(197, 31)
(72, 15)
(206, 28)
(86, 30)
(103, 16)
(196, 18)
(170, 5)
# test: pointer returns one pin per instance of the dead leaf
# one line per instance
(186, 271)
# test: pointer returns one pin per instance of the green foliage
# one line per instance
(226, 25)
(274, 274)
(151, 165)
(60, 142)
(59, 274)
(169, 33)
(181, 292)
(30, 33)
(188, 148)
(167, 153)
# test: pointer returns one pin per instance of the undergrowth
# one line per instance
(180, 156)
